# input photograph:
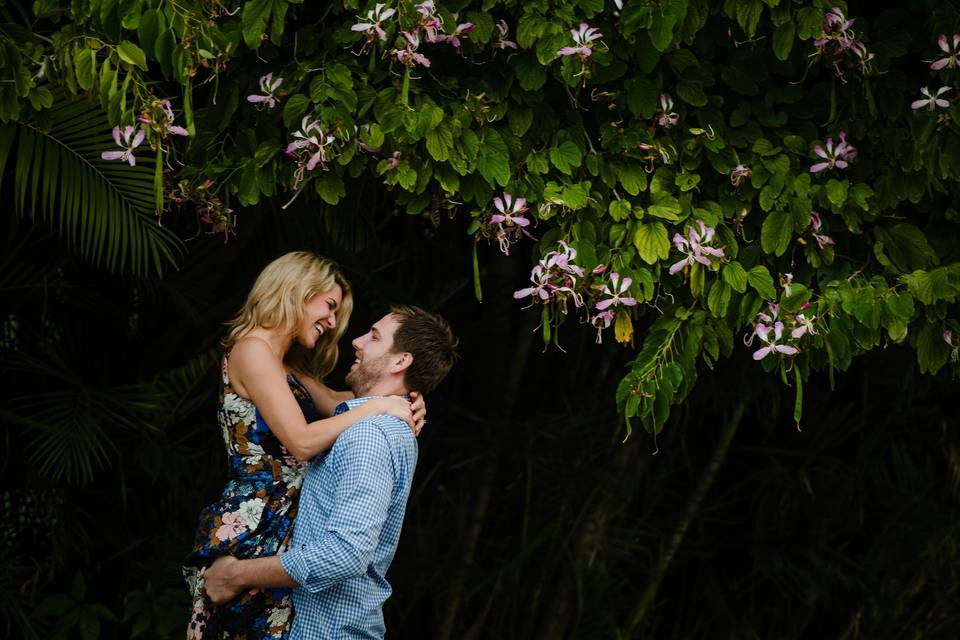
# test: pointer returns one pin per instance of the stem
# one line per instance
(648, 599)
(405, 90)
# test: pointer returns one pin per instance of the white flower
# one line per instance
(251, 511)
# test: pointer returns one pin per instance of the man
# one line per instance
(353, 500)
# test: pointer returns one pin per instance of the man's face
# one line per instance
(374, 350)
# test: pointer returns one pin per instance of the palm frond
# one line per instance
(186, 388)
(105, 210)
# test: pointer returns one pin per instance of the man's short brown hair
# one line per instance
(429, 339)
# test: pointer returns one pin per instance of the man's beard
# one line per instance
(366, 375)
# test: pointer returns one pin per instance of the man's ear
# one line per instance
(401, 362)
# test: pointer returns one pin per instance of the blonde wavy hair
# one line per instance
(277, 300)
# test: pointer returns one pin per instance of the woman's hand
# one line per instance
(396, 406)
(219, 583)
(419, 408)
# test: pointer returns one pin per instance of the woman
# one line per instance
(280, 345)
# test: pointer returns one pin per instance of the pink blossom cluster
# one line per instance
(310, 147)
(839, 43)
(780, 331)
(158, 116)
(211, 209)
(509, 223)
(555, 277)
(430, 27)
(695, 247)
(839, 156)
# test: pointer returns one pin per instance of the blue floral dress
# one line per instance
(252, 518)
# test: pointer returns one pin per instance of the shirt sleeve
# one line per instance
(363, 474)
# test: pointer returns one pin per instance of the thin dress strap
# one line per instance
(224, 376)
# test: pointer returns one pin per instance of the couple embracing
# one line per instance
(299, 542)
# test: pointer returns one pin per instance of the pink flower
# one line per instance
(371, 28)
(232, 526)
(409, 56)
(694, 247)
(461, 30)
(667, 118)
(582, 37)
(931, 102)
(268, 89)
(838, 156)
(129, 140)
(617, 290)
(601, 321)
(511, 211)
(503, 29)
(952, 49)
(815, 224)
(740, 172)
(764, 333)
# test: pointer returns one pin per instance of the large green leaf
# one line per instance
(104, 210)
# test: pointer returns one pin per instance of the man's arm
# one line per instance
(228, 577)
(364, 476)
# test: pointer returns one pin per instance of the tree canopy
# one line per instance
(694, 175)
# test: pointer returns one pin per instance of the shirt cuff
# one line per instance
(295, 564)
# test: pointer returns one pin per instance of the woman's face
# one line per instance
(319, 316)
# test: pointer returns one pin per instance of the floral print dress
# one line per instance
(252, 518)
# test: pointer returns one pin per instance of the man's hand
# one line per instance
(220, 580)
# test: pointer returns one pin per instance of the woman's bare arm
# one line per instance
(258, 375)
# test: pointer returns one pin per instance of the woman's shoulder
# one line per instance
(251, 346)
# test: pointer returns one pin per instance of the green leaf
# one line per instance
(764, 147)
(529, 28)
(748, 15)
(907, 248)
(783, 38)
(736, 276)
(619, 210)
(254, 18)
(692, 93)
(632, 177)
(809, 22)
(130, 14)
(759, 278)
(439, 142)
(932, 350)
(132, 54)
(294, 109)
(85, 67)
(666, 206)
(837, 192)
(718, 299)
(493, 160)
(641, 96)
(652, 242)
(566, 156)
(776, 232)
(148, 29)
(330, 187)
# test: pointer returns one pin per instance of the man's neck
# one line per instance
(382, 388)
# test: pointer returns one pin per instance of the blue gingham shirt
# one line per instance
(346, 532)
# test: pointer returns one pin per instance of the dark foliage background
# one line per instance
(530, 516)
